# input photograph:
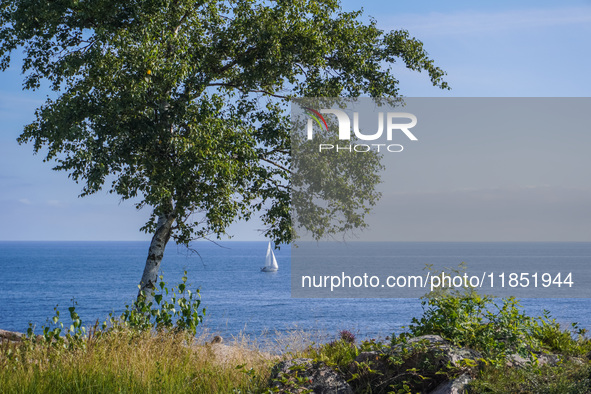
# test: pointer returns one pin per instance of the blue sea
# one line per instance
(102, 277)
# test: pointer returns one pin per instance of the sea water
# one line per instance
(102, 277)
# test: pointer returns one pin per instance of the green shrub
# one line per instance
(180, 313)
(495, 328)
(477, 322)
(174, 310)
(338, 354)
(51, 334)
(498, 328)
(555, 339)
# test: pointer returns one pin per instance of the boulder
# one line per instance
(419, 360)
(435, 350)
(430, 354)
(375, 359)
(517, 361)
(366, 357)
(303, 374)
(455, 386)
(11, 336)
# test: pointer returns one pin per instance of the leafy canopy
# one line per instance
(182, 104)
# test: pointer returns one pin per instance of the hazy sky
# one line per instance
(489, 169)
(489, 49)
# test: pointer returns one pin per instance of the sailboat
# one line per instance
(270, 261)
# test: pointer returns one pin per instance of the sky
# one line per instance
(488, 49)
(489, 169)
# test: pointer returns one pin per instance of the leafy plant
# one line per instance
(339, 353)
(552, 336)
(478, 322)
(52, 332)
(174, 309)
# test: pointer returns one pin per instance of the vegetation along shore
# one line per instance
(463, 343)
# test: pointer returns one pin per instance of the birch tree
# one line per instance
(182, 105)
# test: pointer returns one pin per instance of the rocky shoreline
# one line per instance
(442, 367)
(428, 364)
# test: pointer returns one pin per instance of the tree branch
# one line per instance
(275, 164)
(229, 85)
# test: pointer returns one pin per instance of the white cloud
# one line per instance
(25, 201)
(474, 22)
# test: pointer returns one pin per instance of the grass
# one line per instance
(130, 362)
(569, 377)
(126, 359)
(150, 348)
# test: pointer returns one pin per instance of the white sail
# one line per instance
(270, 261)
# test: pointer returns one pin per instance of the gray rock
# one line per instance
(455, 386)
(301, 374)
(366, 357)
(517, 361)
(418, 357)
(436, 349)
(430, 339)
(11, 336)
(549, 359)
(374, 360)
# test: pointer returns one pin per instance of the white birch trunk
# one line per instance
(155, 254)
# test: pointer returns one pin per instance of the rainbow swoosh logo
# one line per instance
(317, 117)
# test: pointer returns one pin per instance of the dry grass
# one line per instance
(131, 362)
(128, 361)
